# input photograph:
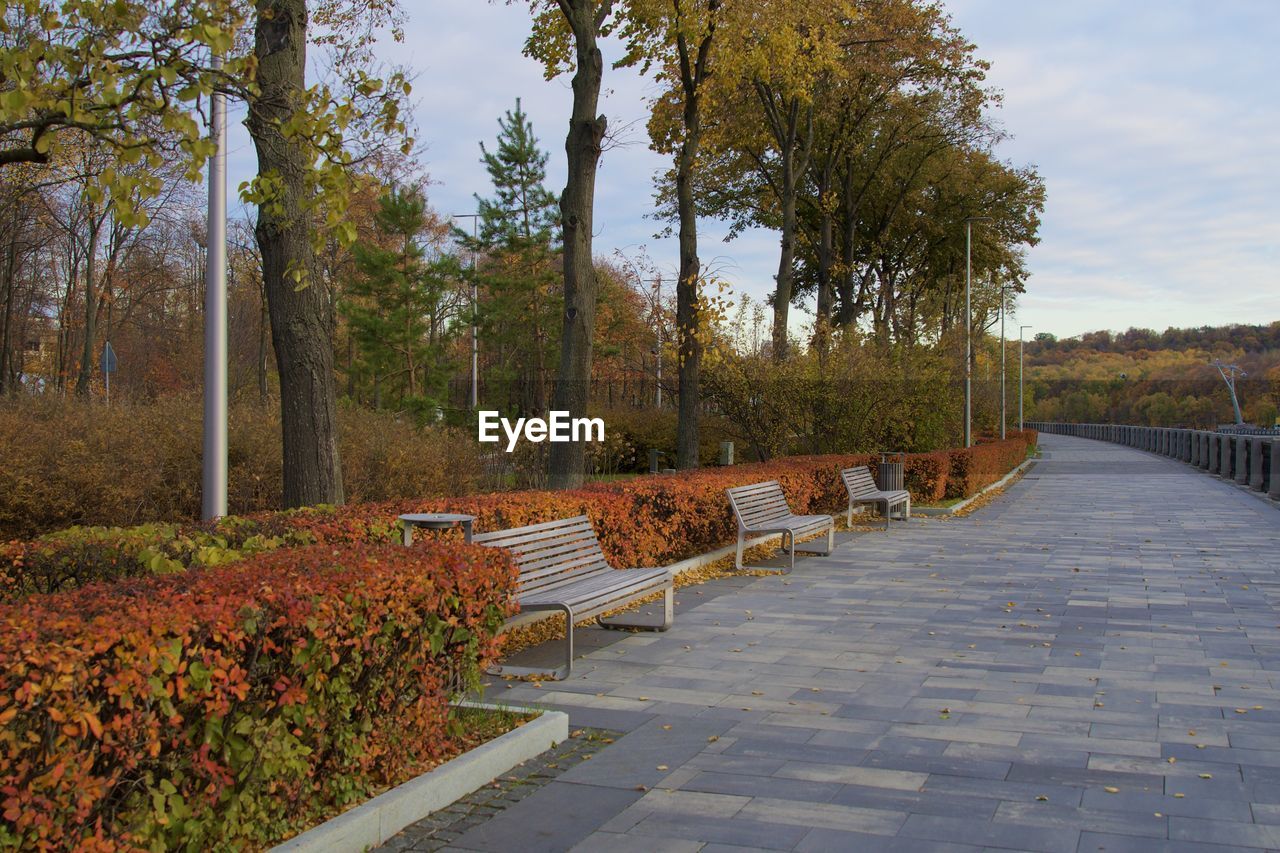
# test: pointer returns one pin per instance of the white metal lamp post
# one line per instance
(1003, 405)
(213, 492)
(657, 314)
(968, 326)
(1021, 329)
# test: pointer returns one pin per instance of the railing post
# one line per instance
(1242, 459)
(1215, 453)
(1257, 472)
(1274, 489)
(1206, 451)
(1224, 457)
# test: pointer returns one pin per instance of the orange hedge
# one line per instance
(644, 521)
(230, 707)
(986, 462)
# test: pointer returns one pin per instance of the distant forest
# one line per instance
(1167, 378)
(1048, 349)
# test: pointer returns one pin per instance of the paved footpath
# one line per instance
(1090, 663)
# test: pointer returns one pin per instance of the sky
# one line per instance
(1153, 122)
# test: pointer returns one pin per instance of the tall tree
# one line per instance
(299, 314)
(396, 304)
(764, 124)
(522, 209)
(519, 308)
(303, 136)
(557, 23)
(680, 35)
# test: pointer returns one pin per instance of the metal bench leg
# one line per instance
(792, 551)
(645, 622)
(831, 539)
(557, 674)
(848, 519)
(737, 562)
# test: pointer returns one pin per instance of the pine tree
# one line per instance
(523, 210)
(395, 306)
(519, 277)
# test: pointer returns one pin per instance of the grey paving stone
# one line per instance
(986, 833)
(826, 840)
(554, 819)
(734, 831)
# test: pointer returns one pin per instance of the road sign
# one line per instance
(108, 359)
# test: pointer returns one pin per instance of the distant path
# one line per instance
(1040, 675)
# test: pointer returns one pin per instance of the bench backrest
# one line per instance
(859, 481)
(550, 553)
(759, 503)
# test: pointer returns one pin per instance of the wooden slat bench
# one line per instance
(562, 568)
(862, 489)
(762, 508)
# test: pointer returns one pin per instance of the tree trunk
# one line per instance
(692, 71)
(567, 460)
(85, 379)
(10, 272)
(299, 317)
(795, 144)
(786, 260)
(826, 289)
(264, 322)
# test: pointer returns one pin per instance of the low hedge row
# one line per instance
(644, 521)
(230, 707)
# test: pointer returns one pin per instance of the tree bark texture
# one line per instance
(299, 315)
(567, 464)
(693, 71)
(792, 126)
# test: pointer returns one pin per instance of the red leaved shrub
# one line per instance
(645, 521)
(926, 475)
(977, 467)
(232, 706)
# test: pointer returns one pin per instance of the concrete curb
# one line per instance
(941, 512)
(710, 557)
(374, 822)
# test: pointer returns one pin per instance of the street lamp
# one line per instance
(968, 326)
(475, 338)
(1021, 329)
(657, 350)
(1003, 417)
(213, 485)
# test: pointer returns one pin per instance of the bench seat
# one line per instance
(762, 509)
(563, 569)
(862, 489)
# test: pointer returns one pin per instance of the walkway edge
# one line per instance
(379, 819)
(937, 512)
